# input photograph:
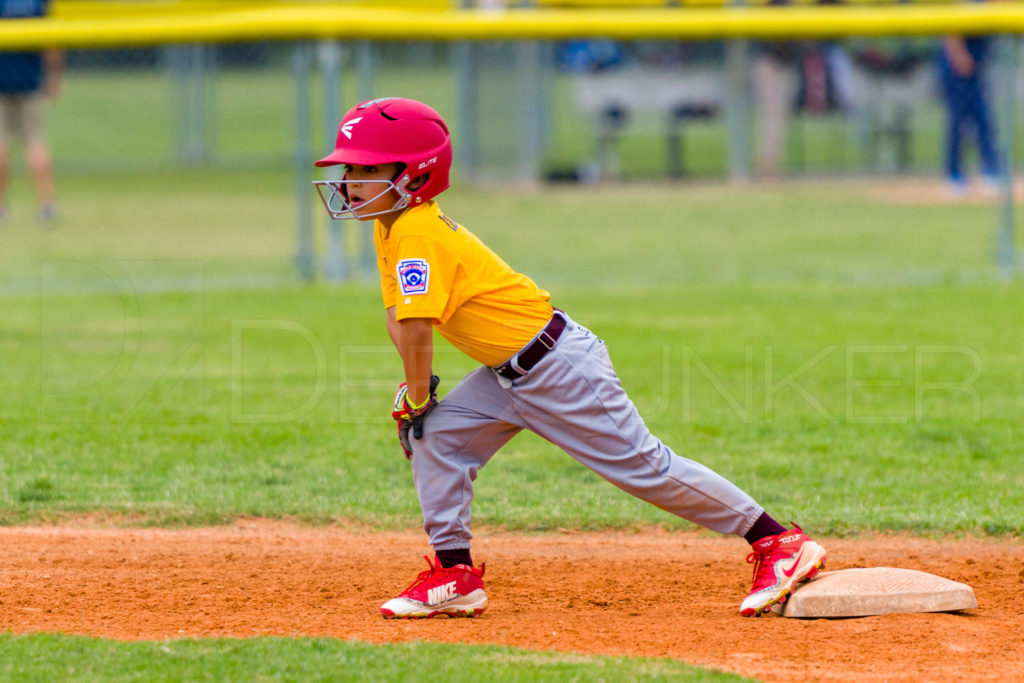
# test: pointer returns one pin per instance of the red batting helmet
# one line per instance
(394, 130)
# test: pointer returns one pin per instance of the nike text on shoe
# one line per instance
(457, 592)
(780, 563)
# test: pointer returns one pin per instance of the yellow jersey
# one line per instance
(432, 267)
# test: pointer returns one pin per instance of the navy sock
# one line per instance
(454, 556)
(764, 526)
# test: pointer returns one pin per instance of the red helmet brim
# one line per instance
(355, 156)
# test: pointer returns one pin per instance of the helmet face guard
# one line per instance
(383, 131)
(334, 195)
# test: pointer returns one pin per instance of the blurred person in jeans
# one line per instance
(26, 78)
(962, 64)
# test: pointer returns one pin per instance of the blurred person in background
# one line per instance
(775, 64)
(813, 76)
(962, 65)
(26, 79)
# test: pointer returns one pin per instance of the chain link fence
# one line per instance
(567, 111)
(580, 111)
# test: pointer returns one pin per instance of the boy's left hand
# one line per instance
(407, 418)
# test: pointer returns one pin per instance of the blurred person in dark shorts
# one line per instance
(27, 79)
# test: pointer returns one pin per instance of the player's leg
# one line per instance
(773, 82)
(953, 93)
(574, 399)
(37, 156)
(6, 123)
(978, 110)
(459, 437)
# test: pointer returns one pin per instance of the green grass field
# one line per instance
(856, 365)
(50, 657)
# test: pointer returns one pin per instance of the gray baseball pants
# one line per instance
(574, 399)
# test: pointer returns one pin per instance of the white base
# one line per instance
(878, 590)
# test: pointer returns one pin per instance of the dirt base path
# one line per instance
(654, 593)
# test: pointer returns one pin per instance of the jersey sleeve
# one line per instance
(423, 277)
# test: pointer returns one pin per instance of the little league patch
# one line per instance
(413, 276)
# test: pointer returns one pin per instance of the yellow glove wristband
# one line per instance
(416, 408)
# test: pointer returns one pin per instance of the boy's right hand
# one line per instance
(407, 418)
(403, 438)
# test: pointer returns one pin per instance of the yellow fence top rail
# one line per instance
(626, 4)
(349, 21)
(102, 8)
(91, 9)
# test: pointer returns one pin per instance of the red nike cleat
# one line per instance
(457, 592)
(780, 563)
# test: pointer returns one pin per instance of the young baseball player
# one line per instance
(540, 370)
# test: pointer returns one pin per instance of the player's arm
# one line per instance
(959, 57)
(393, 328)
(414, 339)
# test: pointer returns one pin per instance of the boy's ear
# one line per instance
(417, 183)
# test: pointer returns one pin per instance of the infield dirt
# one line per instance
(652, 593)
